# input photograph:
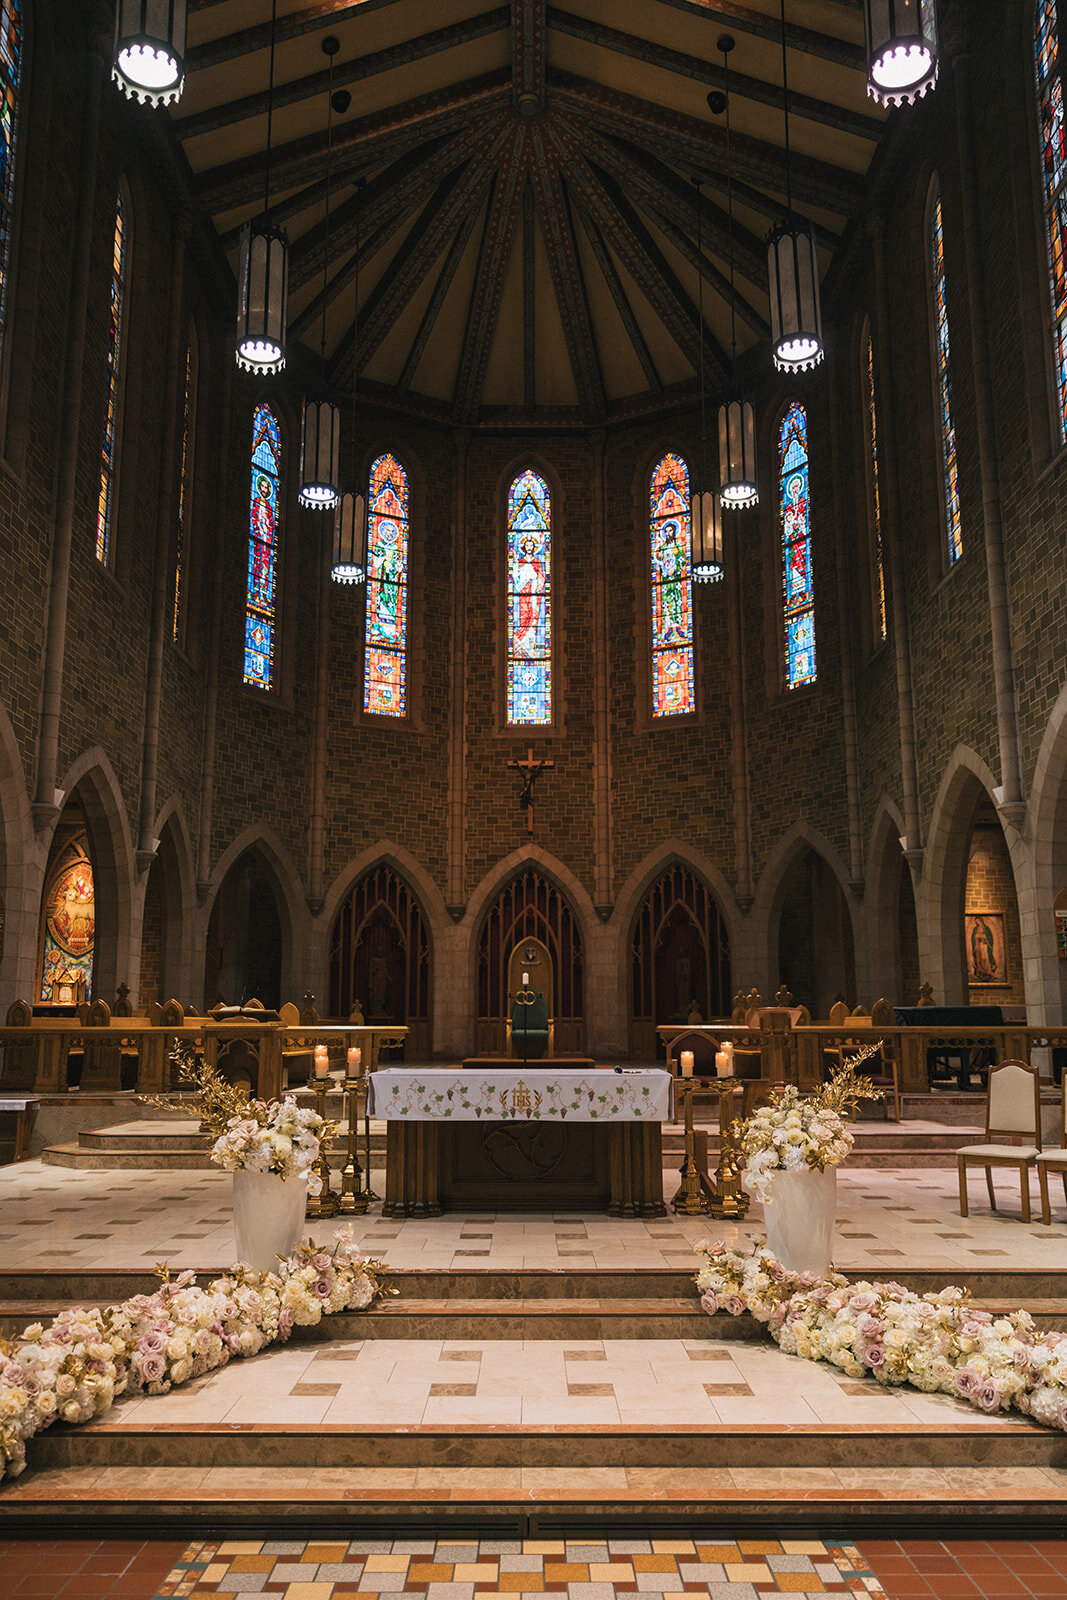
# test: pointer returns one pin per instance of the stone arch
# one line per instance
(834, 970)
(1047, 835)
(170, 915)
(381, 954)
(21, 871)
(264, 848)
(92, 784)
(966, 786)
(394, 855)
(890, 911)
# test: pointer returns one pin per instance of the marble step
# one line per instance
(186, 1157)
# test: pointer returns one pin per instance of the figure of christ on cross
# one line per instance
(530, 769)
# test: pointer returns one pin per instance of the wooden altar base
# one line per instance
(541, 1064)
(432, 1167)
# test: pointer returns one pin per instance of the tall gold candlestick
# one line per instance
(326, 1203)
(729, 1200)
(353, 1200)
(690, 1198)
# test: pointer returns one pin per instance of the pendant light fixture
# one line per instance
(263, 279)
(737, 423)
(705, 513)
(350, 518)
(321, 445)
(901, 49)
(149, 63)
(793, 272)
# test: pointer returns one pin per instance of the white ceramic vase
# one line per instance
(799, 1215)
(268, 1217)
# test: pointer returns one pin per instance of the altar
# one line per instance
(523, 1138)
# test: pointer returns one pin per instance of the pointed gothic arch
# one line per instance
(530, 904)
(381, 954)
(679, 956)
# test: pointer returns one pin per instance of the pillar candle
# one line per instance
(526, 980)
(355, 1061)
(722, 1064)
(322, 1061)
(686, 1058)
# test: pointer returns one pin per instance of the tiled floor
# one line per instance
(968, 1568)
(54, 1217)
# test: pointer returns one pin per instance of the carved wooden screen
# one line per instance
(681, 958)
(530, 907)
(380, 958)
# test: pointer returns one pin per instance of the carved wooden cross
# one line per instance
(530, 768)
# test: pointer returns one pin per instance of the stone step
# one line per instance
(143, 1157)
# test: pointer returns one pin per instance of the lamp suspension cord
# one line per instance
(326, 225)
(355, 313)
(730, 225)
(700, 314)
(270, 106)
(785, 109)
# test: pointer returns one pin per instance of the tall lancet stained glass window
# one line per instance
(670, 544)
(385, 670)
(874, 487)
(946, 426)
(116, 332)
(261, 602)
(10, 74)
(529, 601)
(794, 510)
(1053, 147)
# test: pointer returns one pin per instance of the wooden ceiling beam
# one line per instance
(617, 290)
(654, 54)
(528, 55)
(489, 280)
(245, 41)
(437, 299)
(691, 144)
(557, 228)
(228, 112)
(368, 141)
(455, 196)
(760, 25)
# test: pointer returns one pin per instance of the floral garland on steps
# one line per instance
(937, 1342)
(78, 1366)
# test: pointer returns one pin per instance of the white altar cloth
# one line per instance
(528, 1094)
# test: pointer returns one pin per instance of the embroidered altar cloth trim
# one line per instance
(440, 1094)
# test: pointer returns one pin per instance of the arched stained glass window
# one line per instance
(261, 612)
(874, 488)
(185, 487)
(798, 592)
(1053, 145)
(672, 589)
(946, 426)
(385, 669)
(10, 73)
(116, 333)
(529, 601)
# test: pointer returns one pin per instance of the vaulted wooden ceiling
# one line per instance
(525, 197)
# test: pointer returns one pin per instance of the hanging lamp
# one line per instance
(737, 422)
(705, 515)
(350, 518)
(149, 59)
(263, 278)
(901, 49)
(793, 272)
(320, 451)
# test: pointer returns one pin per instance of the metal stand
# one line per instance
(366, 1153)
(353, 1199)
(728, 1199)
(326, 1203)
(694, 1191)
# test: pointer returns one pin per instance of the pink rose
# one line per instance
(776, 1272)
(863, 1302)
(874, 1355)
(968, 1382)
(285, 1323)
(320, 1262)
(988, 1396)
(322, 1287)
(153, 1367)
(733, 1305)
(152, 1342)
(709, 1302)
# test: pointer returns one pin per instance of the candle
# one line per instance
(526, 980)
(322, 1061)
(355, 1061)
(728, 1049)
(686, 1059)
(723, 1064)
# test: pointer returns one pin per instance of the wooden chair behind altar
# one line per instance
(1013, 1111)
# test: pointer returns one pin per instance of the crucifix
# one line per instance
(530, 768)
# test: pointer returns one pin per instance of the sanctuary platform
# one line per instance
(535, 1372)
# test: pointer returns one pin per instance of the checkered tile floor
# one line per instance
(674, 1569)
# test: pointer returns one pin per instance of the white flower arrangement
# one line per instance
(937, 1342)
(279, 1137)
(803, 1131)
(77, 1366)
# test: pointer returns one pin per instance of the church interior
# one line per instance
(533, 611)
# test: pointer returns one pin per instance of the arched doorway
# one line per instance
(530, 907)
(380, 957)
(67, 937)
(816, 956)
(680, 958)
(244, 941)
(992, 941)
(161, 929)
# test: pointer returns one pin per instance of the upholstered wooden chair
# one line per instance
(297, 1057)
(1013, 1110)
(1054, 1160)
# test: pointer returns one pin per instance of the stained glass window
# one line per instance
(1053, 189)
(10, 68)
(529, 600)
(385, 669)
(105, 506)
(672, 589)
(261, 612)
(954, 543)
(185, 469)
(798, 592)
(874, 487)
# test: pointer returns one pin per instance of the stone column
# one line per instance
(603, 892)
(844, 611)
(224, 501)
(320, 732)
(456, 893)
(735, 633)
